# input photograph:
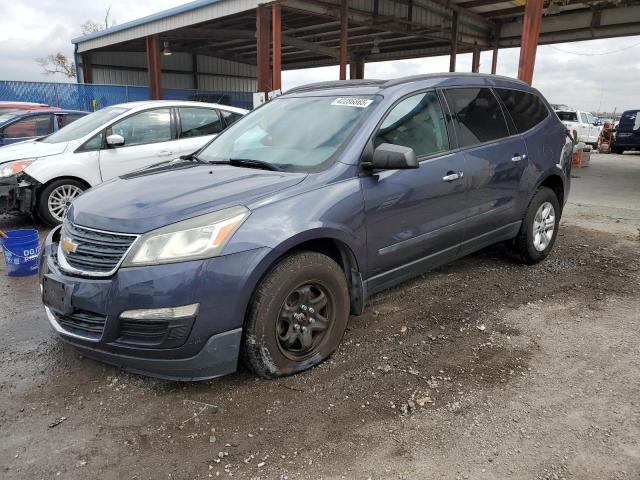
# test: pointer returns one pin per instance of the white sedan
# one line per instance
(44, 176)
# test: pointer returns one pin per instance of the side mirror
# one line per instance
(392, 157)
(114, 140)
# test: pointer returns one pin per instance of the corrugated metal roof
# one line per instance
(183, 15)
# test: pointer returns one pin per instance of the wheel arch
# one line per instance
(555, 182)
(327, 244)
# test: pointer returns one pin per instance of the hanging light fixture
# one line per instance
(376, 45)
(165, 48)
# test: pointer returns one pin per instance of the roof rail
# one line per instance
(334, 84)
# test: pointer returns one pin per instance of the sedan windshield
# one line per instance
(85, 125)
(291, 133)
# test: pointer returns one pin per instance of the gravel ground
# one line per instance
(484, 369)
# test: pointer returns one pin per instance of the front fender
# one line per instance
(85, 166)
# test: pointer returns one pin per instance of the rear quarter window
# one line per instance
(526, 109)
(630, 121)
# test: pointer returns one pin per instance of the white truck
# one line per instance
(583, 123)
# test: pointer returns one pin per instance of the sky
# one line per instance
(584, 75)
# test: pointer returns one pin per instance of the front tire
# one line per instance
(55, 199)
(539, 228)
(297, 316)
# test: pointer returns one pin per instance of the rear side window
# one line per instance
(567, 116)
(478, 115)
(630, 121)
(526, 110)
(196, 122)
(416, 122)
(34, 126)
(64, 120)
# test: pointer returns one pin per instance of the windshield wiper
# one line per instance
(248, 163)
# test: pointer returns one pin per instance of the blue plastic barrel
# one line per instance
(21, 249)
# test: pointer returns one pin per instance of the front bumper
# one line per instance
(15, 196)
(210, 346)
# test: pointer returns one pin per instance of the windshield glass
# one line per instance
(567, 116)
(85, 125)
(297, 134)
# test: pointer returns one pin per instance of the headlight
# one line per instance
(193, 239)
(13, 168)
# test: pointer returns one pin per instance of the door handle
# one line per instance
(517, 157)
(450, 176)
(165, 153)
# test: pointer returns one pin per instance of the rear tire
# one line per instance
(54, 199)
(297, 316)
(539, 228)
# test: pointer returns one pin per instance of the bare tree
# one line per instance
(58, 63)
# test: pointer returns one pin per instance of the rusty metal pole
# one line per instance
(153, 67)
(475, 59)
(529, 41)
(494, 56)
(454, 42)
(263, 44)
(344, 25)
(276, 29)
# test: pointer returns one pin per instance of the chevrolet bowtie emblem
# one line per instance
(68, 246)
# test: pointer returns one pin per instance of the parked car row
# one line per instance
(259, 245)
(43, 176)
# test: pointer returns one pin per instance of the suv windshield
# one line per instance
(297, 134)
(567, 116)
(85, 125)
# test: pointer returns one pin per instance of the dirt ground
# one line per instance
(484, 369)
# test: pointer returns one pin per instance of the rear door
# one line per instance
(196, 127)
(495, 164)
(148, 139)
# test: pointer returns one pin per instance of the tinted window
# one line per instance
(230, 117)
(150, 126)
(35, 126)
(64, 120)
(196, 122)
(630, 121)
(527, 110)
(416, 122)
(478, 115)
(567, 116)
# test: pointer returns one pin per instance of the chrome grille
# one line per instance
(96, 252)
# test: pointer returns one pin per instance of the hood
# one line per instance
(30, 149)
(150, 199)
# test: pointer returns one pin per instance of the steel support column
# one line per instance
(344, 25)
(356, 69)
(494, 56)
(529, 42)
(475, 59)
(263, 44)
(153, 67)
(87, 69)
(454, 42)
(276, 29)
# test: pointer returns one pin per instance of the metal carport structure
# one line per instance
(243, 45)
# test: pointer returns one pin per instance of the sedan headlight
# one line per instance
(193, 239)
(13, 168)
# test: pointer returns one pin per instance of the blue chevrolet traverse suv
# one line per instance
(258, 247)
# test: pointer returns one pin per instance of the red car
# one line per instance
(7, 107)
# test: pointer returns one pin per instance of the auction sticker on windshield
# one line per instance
(352, 102)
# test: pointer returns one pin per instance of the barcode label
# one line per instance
(352, 102)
